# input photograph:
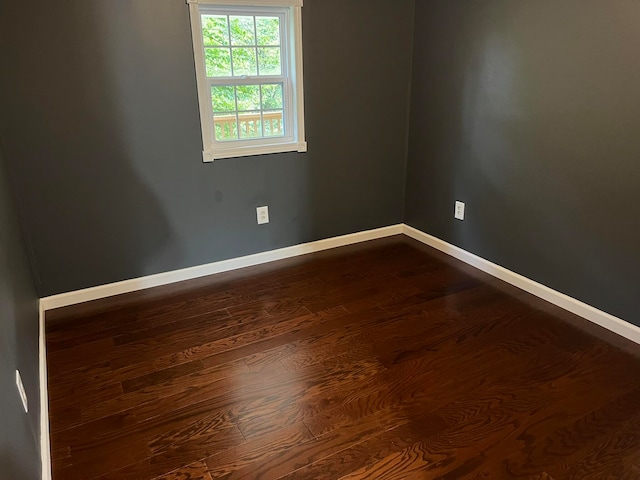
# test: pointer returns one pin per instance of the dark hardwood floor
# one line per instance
(380, 360)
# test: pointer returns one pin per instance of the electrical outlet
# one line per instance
(459, 211)
(263, 215)
(21, 391)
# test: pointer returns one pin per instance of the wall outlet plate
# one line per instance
(263, 215)
(22, 392)
(459, 211)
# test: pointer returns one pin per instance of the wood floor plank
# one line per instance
(158, 332)
(336, 377)
(195, 471)
(535, 448)
(369, 451)
(112, 456)
(161, 376)
(600, 459)
(256, 452)
(59, 362)
(397, 466)
(206, 443)
(384, 359)
(191, 339)
(247, 338)
(125, 329)
(305, 453)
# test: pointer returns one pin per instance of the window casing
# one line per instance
(248, 57)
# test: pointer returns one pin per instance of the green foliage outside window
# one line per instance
(251, 43)
(238, 46)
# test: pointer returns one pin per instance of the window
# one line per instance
(248, 56)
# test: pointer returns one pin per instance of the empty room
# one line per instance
(319, 239)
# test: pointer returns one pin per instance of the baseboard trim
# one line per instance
(606, 320)
(127, 286)
(45, 448)
(615, 324)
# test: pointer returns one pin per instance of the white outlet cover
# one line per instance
(22, 392)
(263, 215)
(459, 211)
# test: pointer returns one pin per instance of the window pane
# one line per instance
(226, 127)
(223, 99)
(273, 123)
(215, 30)
(248, 97)
(218, 61)
(269, 58)
(244, 62)
(268, 29)
(250, 125)
(272, 96)
(242, 31)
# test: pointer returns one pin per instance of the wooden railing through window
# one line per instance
(249, 125)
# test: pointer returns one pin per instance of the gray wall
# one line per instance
(529, 112)
(19, 432)
(102, 132)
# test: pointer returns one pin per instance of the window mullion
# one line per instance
(261, 112)
(230, 42)
(255, 36)
(244, 81)
(235, 97)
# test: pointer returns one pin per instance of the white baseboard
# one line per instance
(126, 286)
(45, 449)
(615, 324)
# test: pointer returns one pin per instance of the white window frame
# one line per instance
(293, 93)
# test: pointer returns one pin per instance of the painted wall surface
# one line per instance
(529, 112)
(102, 132)
(19, 432)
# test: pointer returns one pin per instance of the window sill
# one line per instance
(244, 151)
